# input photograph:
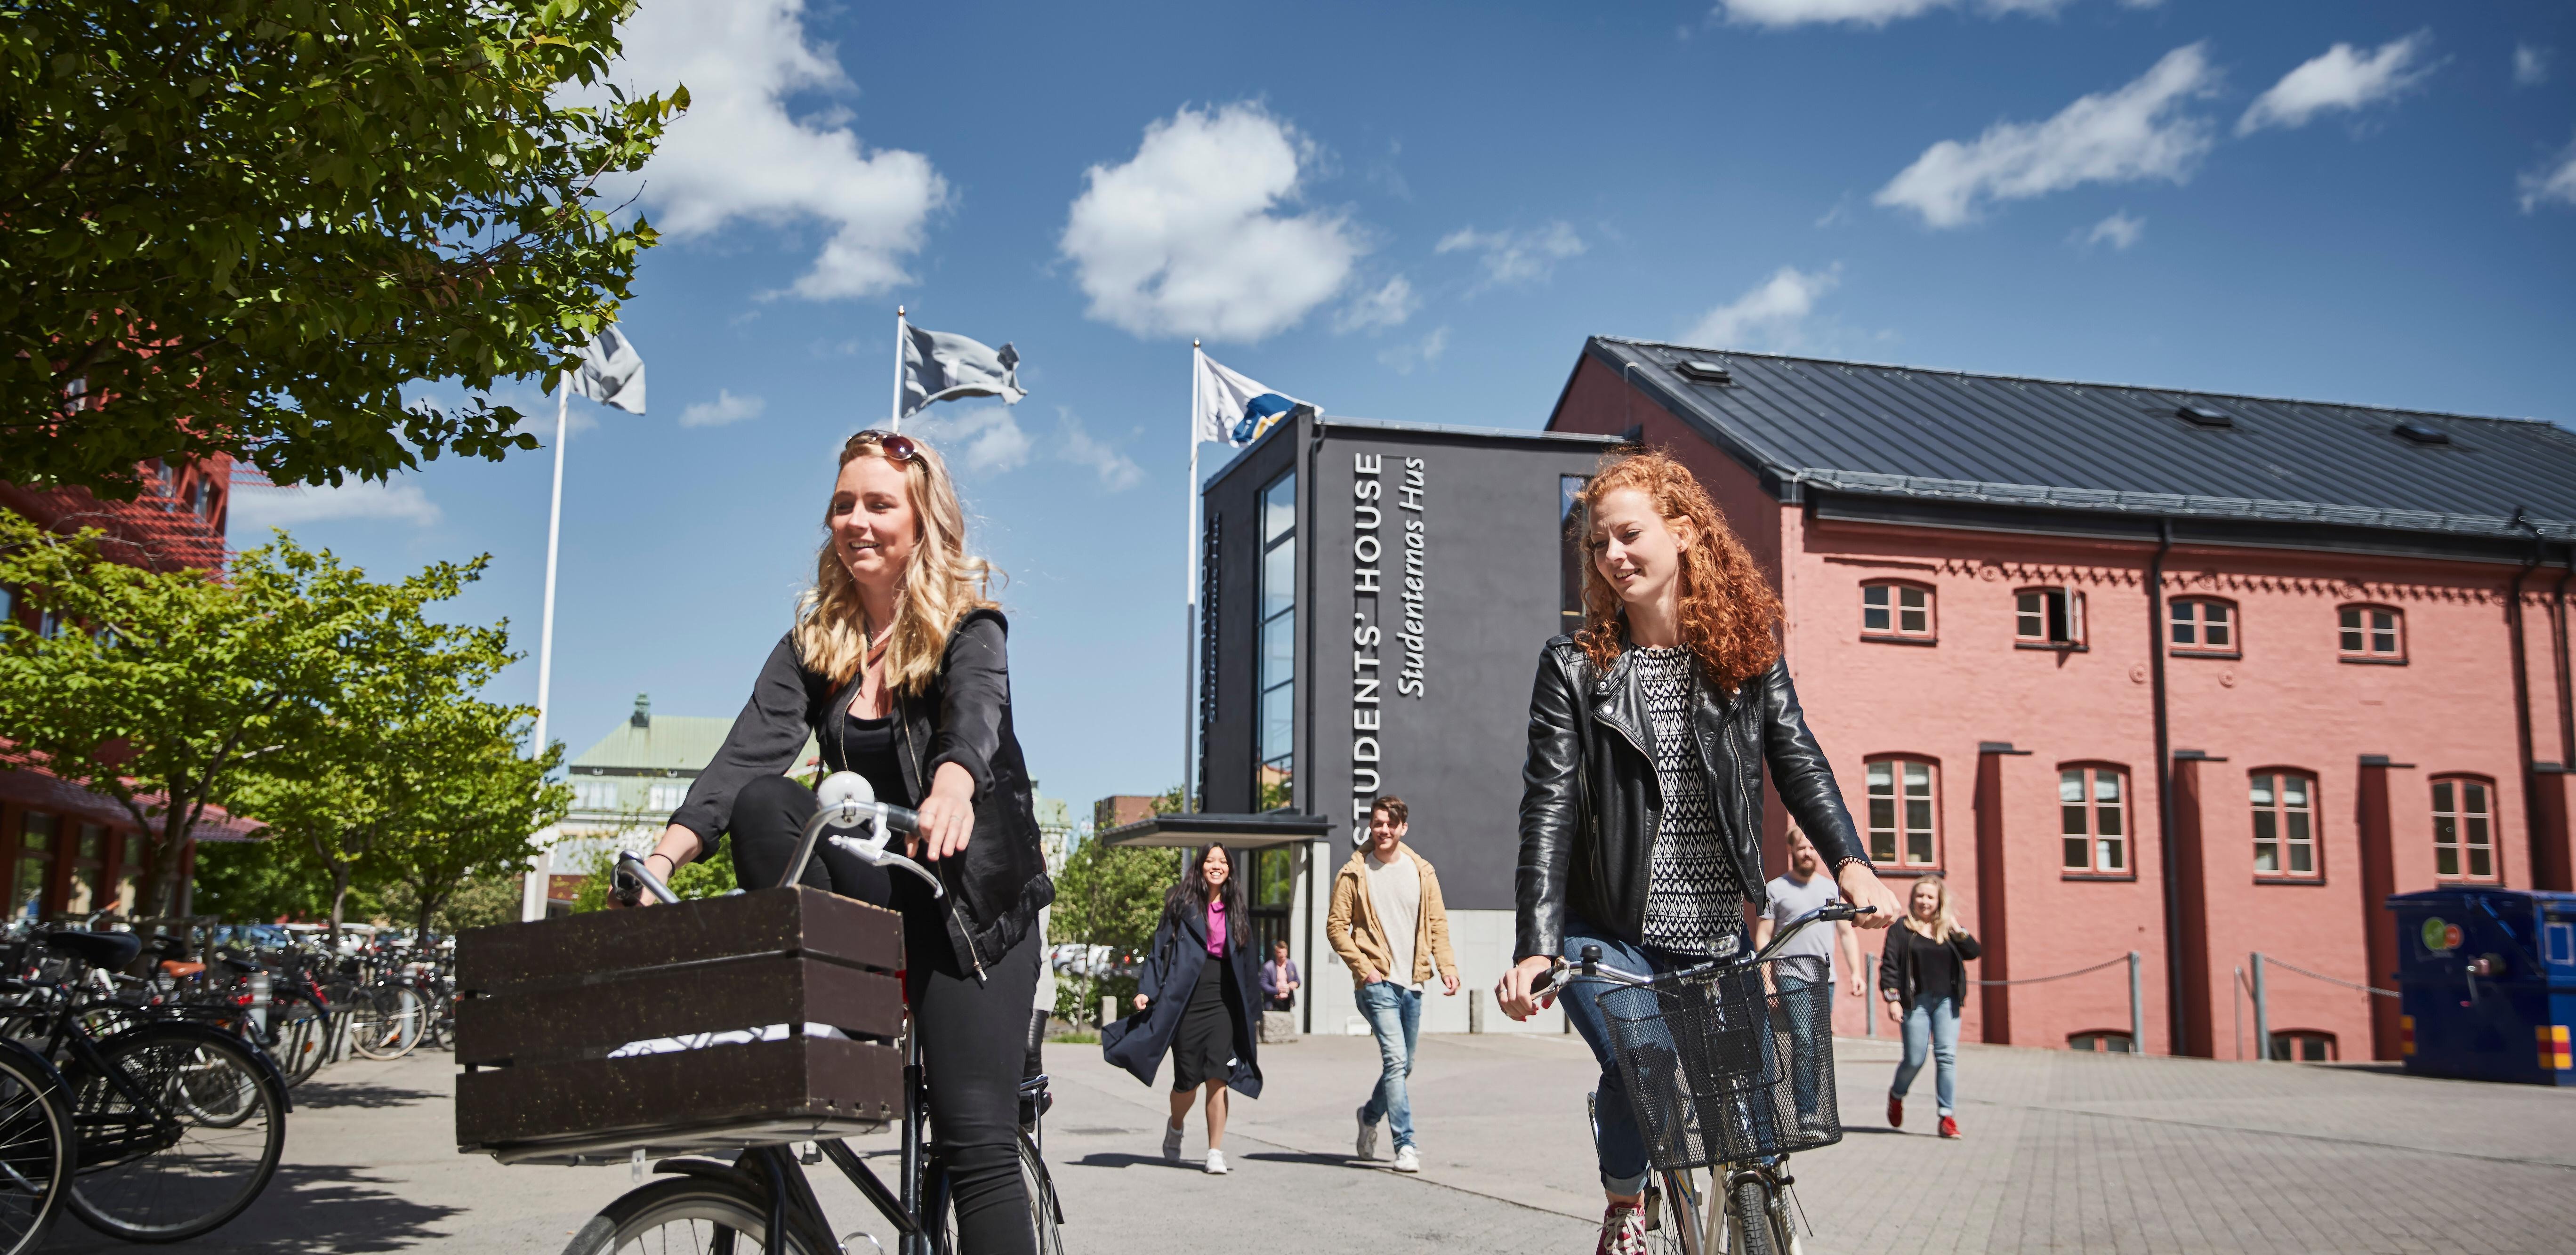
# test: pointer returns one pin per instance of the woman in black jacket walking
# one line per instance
(1195, 998)
(1923, 974)
(895, 665)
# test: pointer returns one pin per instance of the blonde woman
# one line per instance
(1924, 976)
(895, 666)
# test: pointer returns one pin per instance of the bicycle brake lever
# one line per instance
(879, 856)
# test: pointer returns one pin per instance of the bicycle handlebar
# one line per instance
(1592, 967)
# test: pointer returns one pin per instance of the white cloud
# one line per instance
(2119, 231)
(986, 440)
(258, 508)
(2530, 65)
(738, 155)
(726, 408)
(1188, 237)
(1117, 471)
(1402, 358)
(2342, 77)
(2551, 180)
(2136, 132)
(1386, 306)
(1516, 256)
(1778, 13)
(1771, 314)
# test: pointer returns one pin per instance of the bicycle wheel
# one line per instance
(1676, 1216)
(1749, 1220)
(301, 1030)
(150, 1169)
(691, 1214)
(385, 1022)
(35, 1150)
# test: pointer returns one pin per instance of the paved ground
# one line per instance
(2063, 1152)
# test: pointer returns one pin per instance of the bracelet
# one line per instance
(675, 863)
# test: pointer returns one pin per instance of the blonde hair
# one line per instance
(941, 584)
(1945, 921)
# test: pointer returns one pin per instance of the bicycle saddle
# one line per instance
(103, 950)
(177, 968)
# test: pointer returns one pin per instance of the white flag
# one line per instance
(1227, 407)
(938, 366)
(611, 373)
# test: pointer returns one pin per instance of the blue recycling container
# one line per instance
(2486, 982)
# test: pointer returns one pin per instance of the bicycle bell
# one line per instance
(850, 793)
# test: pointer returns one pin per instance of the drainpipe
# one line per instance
(2558, 661)
(2175, 1011)
(2522, 703)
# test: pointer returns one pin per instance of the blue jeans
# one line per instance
(1807, 1055)
(1931, 1027)
(1395, 1015)
(1617, 1142)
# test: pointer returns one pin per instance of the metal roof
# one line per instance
(1952, 436)
(660, 743)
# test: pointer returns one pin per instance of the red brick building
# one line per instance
(2188, 674)
(63, 849)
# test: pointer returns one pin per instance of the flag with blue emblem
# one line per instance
(1230, 408)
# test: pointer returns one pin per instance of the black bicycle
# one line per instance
(37, 1148)
(762, 1201)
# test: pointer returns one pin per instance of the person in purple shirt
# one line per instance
(1279, 979)
(1195, 999)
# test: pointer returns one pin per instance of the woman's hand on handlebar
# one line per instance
(1512, 993)
(677, 846)
(1865, 889)
(948, 814)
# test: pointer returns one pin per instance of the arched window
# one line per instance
(2093, 819)
(2048, 618)
(1896, 609)
(2370, 633)
(2203, 625)
(2463, 829)
(2285, 825)
(1904, 813)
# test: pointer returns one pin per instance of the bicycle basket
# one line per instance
(1721, 1070)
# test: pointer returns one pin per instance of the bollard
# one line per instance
(2137, 1009)
(1108, 1011)
(260, 996)
(2262, 1015)
(1475, 1010)
(1869, 996)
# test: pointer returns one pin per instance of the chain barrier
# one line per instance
(2269, 961)
(2038, 980)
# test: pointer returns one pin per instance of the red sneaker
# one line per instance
(1949, 1127)
(1895, 1112)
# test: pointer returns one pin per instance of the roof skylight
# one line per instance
(2199, 415)
(2422, 433)
(1704, 371)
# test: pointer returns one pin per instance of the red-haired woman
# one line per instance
(1641, 807)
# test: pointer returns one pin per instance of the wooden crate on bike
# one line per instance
(543, 1006)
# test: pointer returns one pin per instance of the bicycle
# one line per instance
(1729, 1068)
(37, 1148)
(763, 1199)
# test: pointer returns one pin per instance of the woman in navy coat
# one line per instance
(1196, 999)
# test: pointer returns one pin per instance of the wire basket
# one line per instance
(1722, 1070)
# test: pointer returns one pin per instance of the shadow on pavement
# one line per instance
(1309, 1157)
(363, 1096)
(332, 1207)
(1121, 1159)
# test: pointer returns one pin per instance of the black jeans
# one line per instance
(974, 1036)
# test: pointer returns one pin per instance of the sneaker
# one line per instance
(1368, 1135)
(1623, 1231)
(1407, 1159)
(1949, 1127)
(1172, 1143)
(1216, 1163)
(1895, 1112)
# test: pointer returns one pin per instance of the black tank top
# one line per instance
(867, 747)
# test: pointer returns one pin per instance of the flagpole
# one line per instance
(1190, 580)
(532, 900)
(894, 413)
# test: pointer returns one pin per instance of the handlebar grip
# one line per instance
(902, 819)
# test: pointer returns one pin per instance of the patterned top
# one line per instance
(1694, 901)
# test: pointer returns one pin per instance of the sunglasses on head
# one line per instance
(896, 448)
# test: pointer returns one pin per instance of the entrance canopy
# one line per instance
(1241, 832)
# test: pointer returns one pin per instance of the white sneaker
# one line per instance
(1407, 1159)
(1216, 1163)
(1171, 1143)
(1368, 1135)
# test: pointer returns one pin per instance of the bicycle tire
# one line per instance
(385, 1022)
(36, 1149)
(162, 1175)
(709, 1214)
(1749, 1216)
(1676, 1220)
(301, 1028)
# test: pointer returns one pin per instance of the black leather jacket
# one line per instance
(1590, 804)
(997, 886)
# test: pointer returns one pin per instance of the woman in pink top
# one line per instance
(1195, 999)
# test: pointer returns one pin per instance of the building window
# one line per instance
(8, 603)
(89, 857)
(35, 863)
(1903, 831)
(2203, 625)
(2285, 828)
(2301, 1045)
(1570, 554)
(594, 795)
(2114, 1041)
(2371, 634)
(2048, 618)
(1273, 895)
(129, 874)
(2463, 829)
(667, 797)
(2093, 820)
(1890, 608)
(1277, 768)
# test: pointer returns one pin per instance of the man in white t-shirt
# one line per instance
(1808, 959)
(1389, 926)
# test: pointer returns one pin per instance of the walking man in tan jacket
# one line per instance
(1388, 925)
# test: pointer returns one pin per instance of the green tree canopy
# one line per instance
(240, 226)
(478, 814)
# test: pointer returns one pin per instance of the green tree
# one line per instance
(260, 881)
(241, 226)
(1110, 897)
(478, 815)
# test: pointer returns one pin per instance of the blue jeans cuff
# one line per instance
(1626, 1185)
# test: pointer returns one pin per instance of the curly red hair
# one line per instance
(1730, 618)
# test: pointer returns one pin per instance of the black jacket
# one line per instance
(1590, 804)
(1900, 966)
(1174, 966)
(997, 886)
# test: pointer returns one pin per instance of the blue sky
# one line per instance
(1417, 213)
